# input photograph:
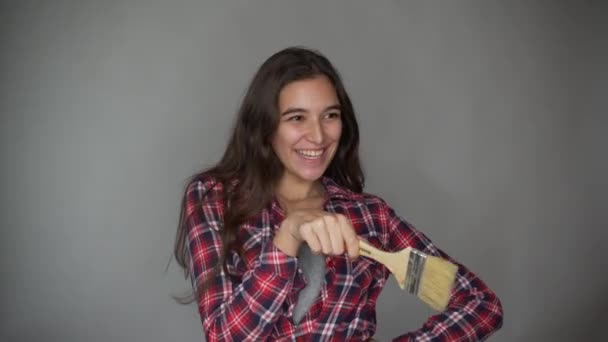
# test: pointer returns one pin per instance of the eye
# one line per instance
(333, 115)
(295, 118)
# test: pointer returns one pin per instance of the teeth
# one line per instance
(310, 153)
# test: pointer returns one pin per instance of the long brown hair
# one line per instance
(250, 159)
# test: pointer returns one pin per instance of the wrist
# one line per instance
(286, 241)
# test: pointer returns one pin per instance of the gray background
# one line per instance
(483, 123)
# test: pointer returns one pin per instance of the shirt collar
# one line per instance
(335, 191)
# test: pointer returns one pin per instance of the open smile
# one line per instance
(311, 154)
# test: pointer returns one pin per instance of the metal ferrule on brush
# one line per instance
(415, 266)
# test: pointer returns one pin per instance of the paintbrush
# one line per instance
(428, 277)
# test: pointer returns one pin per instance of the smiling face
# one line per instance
(309, 128)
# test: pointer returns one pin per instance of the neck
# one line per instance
(296, 190)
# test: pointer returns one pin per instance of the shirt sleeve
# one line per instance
(230, 310)
(473, 313)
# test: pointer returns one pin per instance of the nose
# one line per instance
(315, 132)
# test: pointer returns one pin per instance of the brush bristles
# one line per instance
(436, 282)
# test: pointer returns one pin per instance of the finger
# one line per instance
(320, 229)
(310, 238)
(335, 235)
(351, 239)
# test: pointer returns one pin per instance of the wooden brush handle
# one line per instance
(385, 258)
(396, 262)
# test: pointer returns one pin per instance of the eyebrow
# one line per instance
(302, 110)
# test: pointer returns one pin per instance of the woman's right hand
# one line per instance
(324, 232)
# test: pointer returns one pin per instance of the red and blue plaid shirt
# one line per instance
(257, 302)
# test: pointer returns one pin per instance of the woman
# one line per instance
(269, 235)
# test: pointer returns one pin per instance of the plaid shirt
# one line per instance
(257, 303)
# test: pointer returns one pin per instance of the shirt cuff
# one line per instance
(276, 261)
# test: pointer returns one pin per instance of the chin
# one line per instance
(310, 175)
